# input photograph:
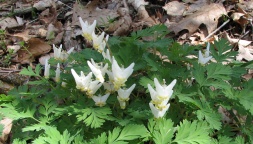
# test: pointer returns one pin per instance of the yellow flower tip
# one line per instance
(100, 104)
(88, 37)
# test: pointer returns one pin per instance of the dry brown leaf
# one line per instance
(238, 41)
(8, 23)
(7, 129)
(207, 15)
(195, 6)
(103, 16)
(244, 53)
(174, 8)
(48, 16)
(35, 47)
(121, 27)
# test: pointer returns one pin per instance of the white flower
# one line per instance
(97, 72)
(93, 87)
(107, 55)
(87, 29)
(97, 40)
(157, 112)
(101, 47)
(122, 104)
(100, 100)
(61, 55)
(204, 59)
(82, 81)
(108, 86)
(120, 75)
(123, 95)
(47, 69)
(162, 92)
(57, 51)
(57, 73)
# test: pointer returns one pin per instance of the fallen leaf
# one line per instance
(244, 53)
(42, 4)
(35, 48)
(121, 27)
(7, 129)
(103, 16)
(207, 15)
(238, 41)
(48, 16)
(8, 23)
(174, 8)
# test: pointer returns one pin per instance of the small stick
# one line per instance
(217, 29)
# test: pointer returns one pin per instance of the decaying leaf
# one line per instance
(121, 27)
(103, 16)
(35, 47)
(48, 16)
(244, 53)
(238, 41)
(8, 23)
(207, 15)
(7, 129)
(174, 8)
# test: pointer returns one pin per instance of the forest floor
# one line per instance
(29, 28)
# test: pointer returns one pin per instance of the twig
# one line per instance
(217, 29)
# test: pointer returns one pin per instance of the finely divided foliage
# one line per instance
(116, 93)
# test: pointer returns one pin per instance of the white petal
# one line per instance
(57, 73)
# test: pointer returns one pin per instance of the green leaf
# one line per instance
(9, 111)
(144, 81)
(218, 71)
(161, 130)
(128, 133)
(29, 71)
(18, 141)
(192, 133)
(5, 98)
(94, 117)
(100, 139)
(199, 73)
(239, 140)
(53, 136)
(222, 51)
(1, 129)
(212, 117)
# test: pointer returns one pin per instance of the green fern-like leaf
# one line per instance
(161, 131)
(18, 141)
(218, 71)
(94, 117)
(9, 111)
(212, 117)
(29, 71)
(128, 133)
(53, 136)
(192, 133)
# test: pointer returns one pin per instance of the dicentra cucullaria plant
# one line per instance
(116, 93)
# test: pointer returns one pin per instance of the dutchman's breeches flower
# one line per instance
(120, 75)
(204, 59)
(57, 73)
(61, 55)
(123, 96)
(82, 81)
(47, 69)
(100, 100)
(160, 97)
(87, 29)
(97, 40)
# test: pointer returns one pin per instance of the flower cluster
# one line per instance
(58, 55)
(117, 75)
(204, 59)
(160, 97)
